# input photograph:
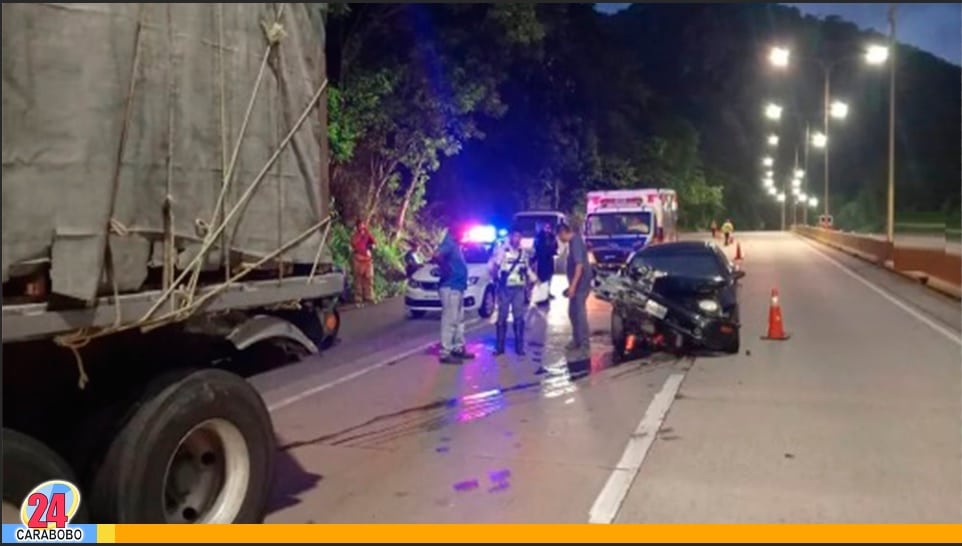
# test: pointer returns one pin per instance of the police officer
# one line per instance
(510, 267)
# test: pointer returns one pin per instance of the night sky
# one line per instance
(936, 28)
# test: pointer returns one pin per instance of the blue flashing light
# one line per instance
(502, 233)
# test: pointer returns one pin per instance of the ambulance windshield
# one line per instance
(602, 224)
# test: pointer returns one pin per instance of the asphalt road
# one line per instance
(856, 418)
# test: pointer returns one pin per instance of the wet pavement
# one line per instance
(856, 418)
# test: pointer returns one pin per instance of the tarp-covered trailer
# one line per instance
(165, 203)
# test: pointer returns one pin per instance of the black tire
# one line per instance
(130, 485)
(487, 303)
(26, 464)
(618, 337)
(330, 329)
(734, 344)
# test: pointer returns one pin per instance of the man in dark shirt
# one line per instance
(545, 249)
(579, 286)
(452, 284)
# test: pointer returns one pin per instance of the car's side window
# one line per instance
(723, 259)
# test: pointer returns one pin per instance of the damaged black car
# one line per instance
(680, 297)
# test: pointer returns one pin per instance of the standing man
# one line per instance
(545, 250)
(412, 260)
(714, 229)
(579, 286)
(727, 229)
(362, 244)
(510, 267)
(453, 273)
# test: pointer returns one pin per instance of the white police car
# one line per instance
(422, 294)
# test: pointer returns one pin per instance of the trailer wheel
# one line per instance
(26, 464)
(198, 449)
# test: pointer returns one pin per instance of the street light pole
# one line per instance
(805, 181)
(827, 68)
(794, 195)
(890, 217)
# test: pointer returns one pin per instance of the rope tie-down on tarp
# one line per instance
(185, 284)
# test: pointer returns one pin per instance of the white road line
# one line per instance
(470, 325)
(949, 334)
(608, 502)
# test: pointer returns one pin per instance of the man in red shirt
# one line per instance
(362, 243)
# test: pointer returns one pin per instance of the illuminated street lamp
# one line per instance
(839, 110)
(780, 197)
(796, 183)
(769, 174)
(799, 173)
(802, 197)
(773, 140)
(813, 202)
(778, 56)
(773, 111)
(768, 182)
(876, 54)
(772, 190)
(768, 161)
(819, 140)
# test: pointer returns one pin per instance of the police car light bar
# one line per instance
(480, 234)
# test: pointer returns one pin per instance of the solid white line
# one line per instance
(293, 399)
(608, 502)
(949, 334)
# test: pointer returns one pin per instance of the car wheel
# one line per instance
(733, 345)
(487, 303)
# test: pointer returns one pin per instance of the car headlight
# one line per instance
(708, 306)
(473, 280)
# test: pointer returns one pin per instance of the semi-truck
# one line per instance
(619, 222)
(165, 208)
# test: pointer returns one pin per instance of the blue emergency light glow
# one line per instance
(502, 233)
(480, 234)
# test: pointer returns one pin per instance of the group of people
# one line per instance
(515, 269)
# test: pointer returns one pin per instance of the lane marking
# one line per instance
(469, 326)
(608, 503)
(949, 334)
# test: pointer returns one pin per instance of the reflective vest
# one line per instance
(727, 227)
(516, 274)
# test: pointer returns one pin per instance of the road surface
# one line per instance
(856, 418)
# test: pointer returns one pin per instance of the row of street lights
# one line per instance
(875, 54)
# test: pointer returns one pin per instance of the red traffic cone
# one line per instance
(738, 252)
(776, 329)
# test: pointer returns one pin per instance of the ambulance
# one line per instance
(619, 222)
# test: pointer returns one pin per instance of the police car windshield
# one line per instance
(529, 224)
(618, 223)
(476, 253)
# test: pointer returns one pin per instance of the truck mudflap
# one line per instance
(634, 297)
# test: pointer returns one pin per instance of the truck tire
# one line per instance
(26, 464)
(199, 448)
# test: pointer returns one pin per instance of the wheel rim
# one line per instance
(11, 514)
(208, 475)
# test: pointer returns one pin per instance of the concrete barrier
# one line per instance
(936, 268)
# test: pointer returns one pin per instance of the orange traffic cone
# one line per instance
(738, 252)
(776, 330)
